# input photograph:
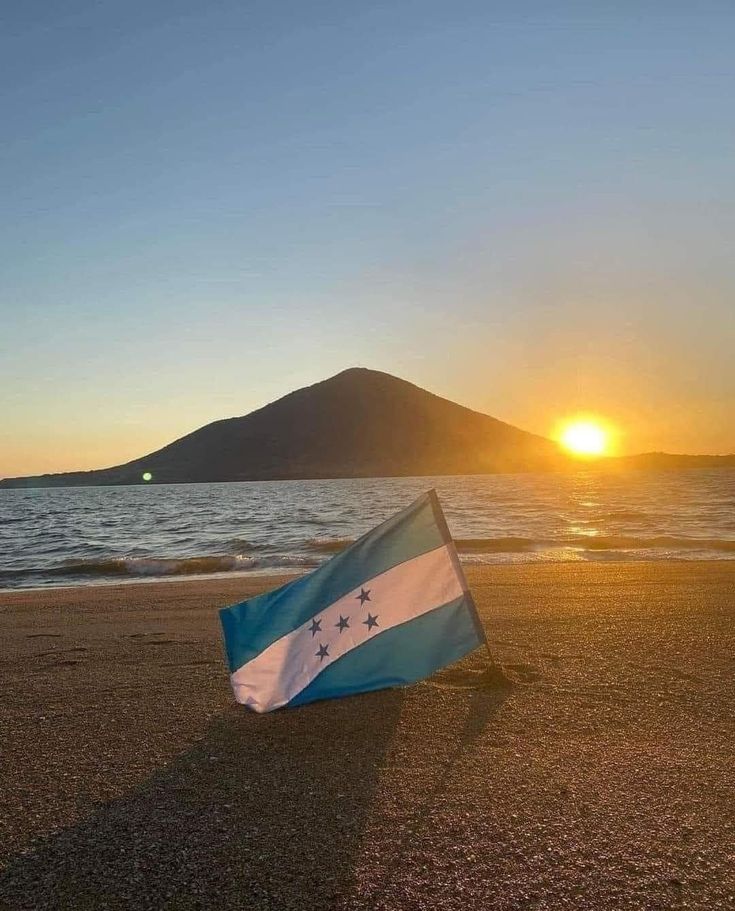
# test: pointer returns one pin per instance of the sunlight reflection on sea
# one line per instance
(73, 535)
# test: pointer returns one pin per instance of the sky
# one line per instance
(527, 208)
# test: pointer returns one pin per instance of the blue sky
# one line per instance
(525, 208)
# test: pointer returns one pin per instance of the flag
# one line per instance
(389, 610)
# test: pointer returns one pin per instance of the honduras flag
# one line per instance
(389, 610)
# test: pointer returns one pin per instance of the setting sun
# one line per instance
(584, 438)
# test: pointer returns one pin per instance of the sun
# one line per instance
(585, 437)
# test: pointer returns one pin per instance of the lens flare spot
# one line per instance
(147, 476)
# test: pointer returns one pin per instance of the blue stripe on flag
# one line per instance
(401, 655)
(251, 626)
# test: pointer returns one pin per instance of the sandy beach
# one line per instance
(602, 779)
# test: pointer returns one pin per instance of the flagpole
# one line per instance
(495, 672)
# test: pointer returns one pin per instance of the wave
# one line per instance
(464, 545)
(670, 542)
(495, 545)
(141, 567)
(315, 551)
(149, 566)
(328, 545)
(520, 545)
(512, 545)
(625, 515)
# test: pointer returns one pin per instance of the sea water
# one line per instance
(104, 534)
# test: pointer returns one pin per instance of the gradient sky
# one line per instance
(205, 205)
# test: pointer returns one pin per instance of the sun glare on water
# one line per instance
(585, 438)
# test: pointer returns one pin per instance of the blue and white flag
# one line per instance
(389, 610)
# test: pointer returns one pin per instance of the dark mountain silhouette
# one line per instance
(359, 423)
(667, 461)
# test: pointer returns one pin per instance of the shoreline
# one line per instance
(643, 462)
(285, 573)
(182, 579)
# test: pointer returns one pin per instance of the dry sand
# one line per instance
(602, 780)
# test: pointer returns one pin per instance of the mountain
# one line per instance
(667, 461)
(359, 423)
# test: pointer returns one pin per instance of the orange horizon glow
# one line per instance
(78, 437)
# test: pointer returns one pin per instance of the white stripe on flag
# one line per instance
(288, 665)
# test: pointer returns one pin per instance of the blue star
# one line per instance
(344, 623)
(363, 596)
(322, 653)
(371, 621)
(316, 627)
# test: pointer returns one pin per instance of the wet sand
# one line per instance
(602, 779)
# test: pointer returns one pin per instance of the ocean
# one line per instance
(91, 535)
